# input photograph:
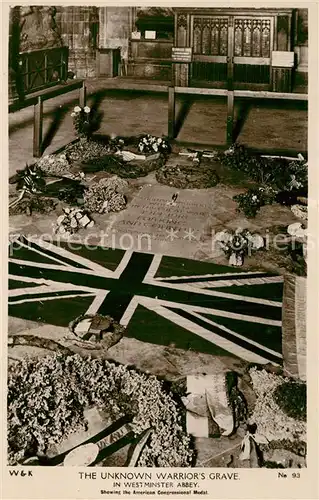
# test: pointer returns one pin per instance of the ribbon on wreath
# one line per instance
(250, 441)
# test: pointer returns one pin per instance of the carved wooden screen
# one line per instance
(210, 35)
(232, 48)
(253, 39)
(181, 38)
(210, 49)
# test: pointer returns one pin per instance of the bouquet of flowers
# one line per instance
(237, 244)
(300, 211)
(280, 172)
(72, 220)
(82, 120)
(116, 143)
(151, 144)
(32, 203)
(298, 176)
(250, 202)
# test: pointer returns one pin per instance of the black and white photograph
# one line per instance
(158, 243)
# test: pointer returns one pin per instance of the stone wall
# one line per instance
(86, 29)
(115, 28)
(79, 31)
(38, 29)
(31, 28)
(44, 27)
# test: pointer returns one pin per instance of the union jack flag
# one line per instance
(160, 299)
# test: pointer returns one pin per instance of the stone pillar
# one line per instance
(294, 326)
(301, 46)
(302, 58)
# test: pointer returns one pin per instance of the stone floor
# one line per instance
(221, 215)
(265, 125)
(162, 360)
(271, 126)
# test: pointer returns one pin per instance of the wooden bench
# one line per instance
(42, 75)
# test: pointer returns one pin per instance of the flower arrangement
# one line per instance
(298, 231)
(297, 176)
(187, 176)
(116, 143)
(237, 157)
(72, 220)
(270, 414)
(86, 149)
(47, 398)
(281, 173)
(29, 181)
(105, 196)
(299, 234)
(250, 202)
(82, 120)
(55, 165)
(300, 211)
(33, 203)
(151, 144)
(106, 330)
(237, 244)
(291, 396)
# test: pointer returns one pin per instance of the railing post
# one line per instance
(82, 97)
(37, 128)
(171, 112)
(230, 117)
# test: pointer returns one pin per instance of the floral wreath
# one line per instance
(114, 330)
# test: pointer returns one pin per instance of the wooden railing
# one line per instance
(230, 95)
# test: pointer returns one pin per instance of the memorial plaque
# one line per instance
(182, 54)
(136, 35)
(282, 59)
(150, 35)
(154, 222)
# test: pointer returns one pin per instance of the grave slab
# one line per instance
(161, 219)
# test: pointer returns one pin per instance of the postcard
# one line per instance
(160, 205)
